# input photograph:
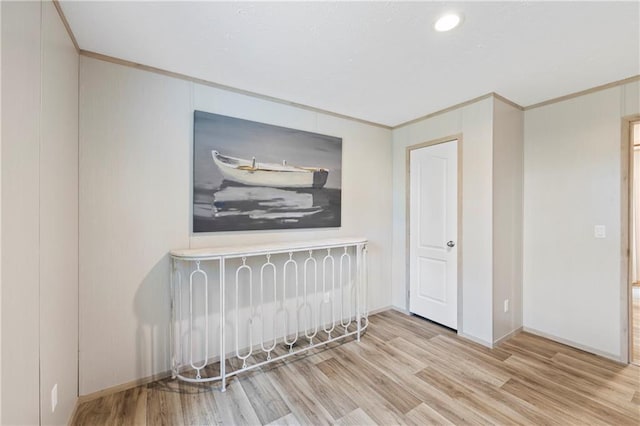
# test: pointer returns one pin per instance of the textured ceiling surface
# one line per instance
(376, 61)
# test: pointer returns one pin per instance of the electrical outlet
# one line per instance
(600, 231)
(506, 305)
(54, 398)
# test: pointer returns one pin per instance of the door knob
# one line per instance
(451, 244)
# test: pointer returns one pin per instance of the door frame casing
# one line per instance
(626, 197)
(408, 150)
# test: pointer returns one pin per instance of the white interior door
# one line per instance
(433, 231)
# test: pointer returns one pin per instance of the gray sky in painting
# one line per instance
(269, 144)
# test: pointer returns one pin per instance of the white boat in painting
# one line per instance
(250, 172)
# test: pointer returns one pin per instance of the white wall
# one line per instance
(135, 174)
(572, 154)
(39, 200)
(508, 140)
(475, 123)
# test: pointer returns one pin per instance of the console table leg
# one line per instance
(222, 327)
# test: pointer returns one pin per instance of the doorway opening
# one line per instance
(634, 260)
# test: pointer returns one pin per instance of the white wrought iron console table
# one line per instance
(272, 302)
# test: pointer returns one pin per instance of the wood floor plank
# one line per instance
(592, 384)
(492, 369)
(405, 370)
(573, 398)
(389, 331)
(415, 322)
(234, 406)
(394, 352)
(198, 404)
(425, 415)
(440, 402)
(332, 398)
(438, 356)
(265, 400)
(97, 411)
(635, 323)
(356, 418)
(459, 349)
(385, 357)
(382, 333)
(402, 325)
(164, 406)
(299, 396)
(494, 411)
(478, 379)
(135, 408)
(554, 407)
(376, 407)
(318, 355)
(599, 395)
(618, 369)
(606, 374)
(288, 420)
(524, 375)
(530, 346)
(377, 379)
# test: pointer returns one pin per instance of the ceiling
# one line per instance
(376, 61)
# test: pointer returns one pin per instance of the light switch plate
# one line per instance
(600, 231)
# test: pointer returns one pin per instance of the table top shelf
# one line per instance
(211, 253)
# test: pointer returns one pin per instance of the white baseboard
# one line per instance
(378, 310)
(612, 357)
(475, 339)
(507, 336)
(401, 310)
(122, 387)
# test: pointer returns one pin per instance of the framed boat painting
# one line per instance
(255, 176)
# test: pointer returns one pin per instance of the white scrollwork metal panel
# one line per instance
(301, 296)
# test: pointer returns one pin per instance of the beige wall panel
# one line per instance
(477, 193)
(134, 197)
(366, 197)
(572, 182)
(58, 220)
(508, 140)
(399, 268)
(20, 140)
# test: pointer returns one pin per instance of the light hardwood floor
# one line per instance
(635, 324)
(404, 371)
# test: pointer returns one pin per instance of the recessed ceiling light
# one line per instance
(447, 22)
